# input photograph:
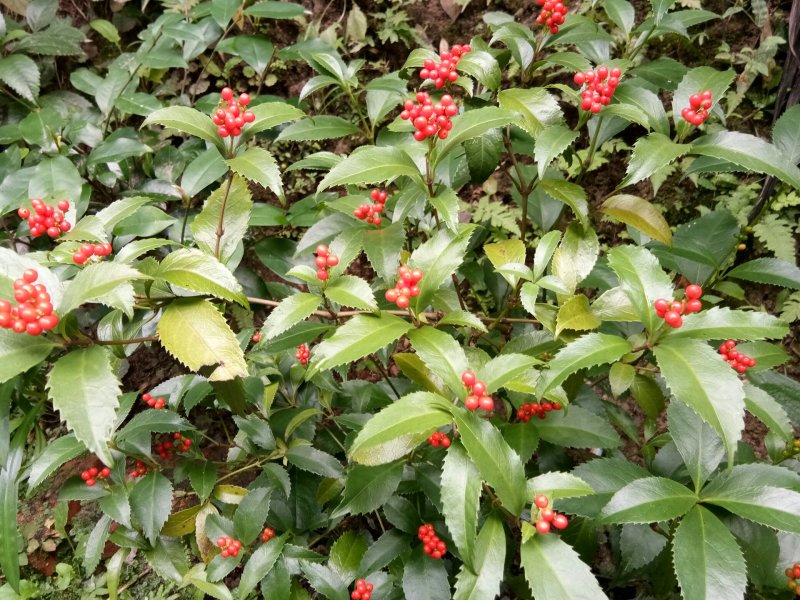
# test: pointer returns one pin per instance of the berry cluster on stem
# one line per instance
(363, 590)
(324, 261)
(232, 119)
(267, 534)
(445, 69)
(697, 111)
(46, 218)
(93, 475)
(552, 15)
(671, 311)
(598, 88)
(738, 360)
(533, 409)
(793, 583)
(439, 439)
(302, 354)
(33, 313)
(87, 251)
(175, 443)
(230, 546)
(406, 287)
(157, 403)
(477, 397)
(433, 546)
(547, 516)
(430, 119)
(372, 214)
(139, 470)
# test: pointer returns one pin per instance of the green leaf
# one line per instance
(483, 155)
(577, 428)
(360, 336)
(116, 505)
(768, 270)
(18, 353)
(483, 581)
(250, 515)
(116, 150)
(708, 561)
(570, 194)
(324, 127)
(620, 378)
(749, 152)
(256, 164)
(498, 464)
(235, 197)
(650, 154)
(383, 247)
(260, 564)
(151, 502)
(446, 205)
(314, 461)
(438, 258)
(195, 333)
(538, 107)
(399, 428)
(642, 279)
(100, 283)
(199, 272)
(385, 549)
(84, 389)
(289, 312)
(324, 580)
(698, 377)
(148, 421)
(95, 544)
(621, 13)
(21, 74)
(203, 477)
(271, 114)
(461, 493)
(463, 318)
(550, 143)
(557, 485)
(554, 571)
(372, 164)
(763, 406)
(383, 95)
(576, 315)
(470, 125)
(639, 213)
(696, 81)
(349, 290)
(785, 134)
(187, 120)
(699, 445)
(504, 369)
(719, 323)
(587, 351)
(483, 67)
(269, 9)
(106, 29)
(442, 354)
(368, 488)
(649, 500)
(9, 536)
(771, 506)
(576, 256)
(633, 93)
(55, 454)
(423, 578)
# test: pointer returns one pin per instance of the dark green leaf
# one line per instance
(151, 502)
(554, 571)
(649, 500)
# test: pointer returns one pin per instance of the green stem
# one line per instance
(220, 223)
(368, 132)
(592, 146)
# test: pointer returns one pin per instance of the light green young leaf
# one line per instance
(470, 125)
(650, 154)
(186, 120)
(18, 353)
(537, 106)
(199, 272)
(289, 312)
(371, 164)
(461, 493)
(99, 283)
(554, 571)
(234, 195)
(550, 143)
(557, 485)
(639, 213)
(719, 323)
(349, 290)
(256, 164)
(576, 256)
(649, 500)
(442, 354)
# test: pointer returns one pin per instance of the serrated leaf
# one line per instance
(620, 378)
(324, 580)
(639, 213)
(699, 445)
(577, 428)
(360, 336)
(21, 74)
(423, 578)
(195, 333)
(483, 581)
(260, 564)
(483, 67)
(84, 389)
(621, 12)
(760, 404)
(323, 127)
(538, 107)
(771, 506)
(292, 310)
(438, 258)
(182, 522)
(18, 353)
(785, 134)
(95, 544)
(199, 272)
(576, 256)
(503, 369)
(650, 154)
(557, 485)
(55, 454)
(99, 282)
(349, 290)
(234, 195)
(399, 428)
(768, 270)
(719, 322)
(151, 502)
(372, 164)
(248, 520)
(587, 351)
(470, 125)
(186, 120)
(483, 154)
(442, 354)
(368, 488)
(570, 194)
(695, 81)
(698, 377)
(271, 114)
(203, 477)
(649, 500)
(550, 143)
(446, 205)
(382, 247)
(460, 493)
(159, 421)
(554, 571)
(575, 314)
(314, 461)
(346, 554)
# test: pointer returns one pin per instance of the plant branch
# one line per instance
(220, 223)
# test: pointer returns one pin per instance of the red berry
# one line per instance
(541, 501)
(693, 291)
(468, 378)
(472, 402)
(560, 522)
(542, 527)
(322, 274)
(673, 319)
(227, 93)
(478, 388)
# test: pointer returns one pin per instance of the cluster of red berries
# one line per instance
(267, 534)
(698, 111)
(671, 311)
(256, 337)
(430, 119)
(406, 287)
(445, 70)
(739, 361)
(324, 261)
(547, 516)
(93, 475)
(157, 403)
(552, 14)
(87, 251)
(140, 470)
(231, 120)
(533, 409)
(434, 547)
(177, 443)
(34, 312)
(46, 218)
(477, 396)
(600, 86)
(439, 439)
(793, 573)
(230, 546)
(302, 354)
(372, 214)
(363, 590)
